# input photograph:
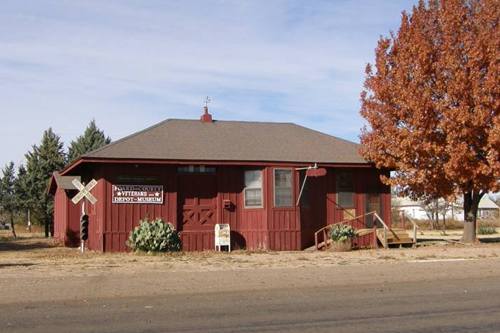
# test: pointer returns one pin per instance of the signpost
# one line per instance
(222, 236)
(84, 193)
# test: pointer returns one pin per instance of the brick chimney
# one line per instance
(206, 117)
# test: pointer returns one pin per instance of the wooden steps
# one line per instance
(395, 236)
(364, 232)
(386, 236)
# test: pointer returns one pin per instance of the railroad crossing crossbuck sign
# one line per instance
(84, 191)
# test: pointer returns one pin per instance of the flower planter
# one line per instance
(342, 246)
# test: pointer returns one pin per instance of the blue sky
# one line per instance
(130, 64)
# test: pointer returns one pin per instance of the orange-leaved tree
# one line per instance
(431, 101)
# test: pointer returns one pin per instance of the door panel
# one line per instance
(197, 202)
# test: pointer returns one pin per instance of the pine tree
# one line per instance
(21, 189)
(93, 138)
(7, 193)
(42, 161)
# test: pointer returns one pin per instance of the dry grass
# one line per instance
(425, 225)
(41, 256)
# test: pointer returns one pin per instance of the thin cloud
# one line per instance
(129, 64)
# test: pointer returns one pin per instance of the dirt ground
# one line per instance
(36, 269)
(42, 257)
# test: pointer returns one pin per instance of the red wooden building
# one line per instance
(196, 173)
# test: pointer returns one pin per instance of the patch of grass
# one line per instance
(430, 256)
(386, 257)
(486, 230)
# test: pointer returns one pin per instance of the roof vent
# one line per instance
(206, 117)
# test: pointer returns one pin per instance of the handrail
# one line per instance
(386, 228)
(415, 227)
(327, 227)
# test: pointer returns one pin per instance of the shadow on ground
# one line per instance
(23, 245)
(490, 240)
(16, 265)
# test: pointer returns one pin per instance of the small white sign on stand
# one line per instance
(222, 236)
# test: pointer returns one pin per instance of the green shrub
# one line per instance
(486, 230)
(342, 232)
(154, 236)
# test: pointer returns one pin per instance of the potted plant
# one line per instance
(342, 235)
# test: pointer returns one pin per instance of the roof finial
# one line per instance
(207, 100)
(206, 117)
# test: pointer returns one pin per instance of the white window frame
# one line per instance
(253, 188)
(291, 187)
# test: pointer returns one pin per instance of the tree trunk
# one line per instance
(51, 227)
(444, 223)
(28, 218)
(46, 224)
(471, 203)
(12, 225)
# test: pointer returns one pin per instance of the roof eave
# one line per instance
(83, 160)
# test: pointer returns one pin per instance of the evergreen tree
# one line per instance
(91, 139)
(21, 189)
(41, 162)
(7, 193)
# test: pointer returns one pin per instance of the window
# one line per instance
(196, 169)
(345, 190)
(283, 190)
(253, 188)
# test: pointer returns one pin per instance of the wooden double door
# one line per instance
(197, 203)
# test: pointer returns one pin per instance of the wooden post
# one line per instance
(82, 242)
(415, 234)
(385, 238)
(324, 238)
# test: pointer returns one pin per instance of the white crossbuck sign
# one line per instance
(84, 191)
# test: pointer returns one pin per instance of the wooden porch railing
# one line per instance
(322, 236)
(415, 226)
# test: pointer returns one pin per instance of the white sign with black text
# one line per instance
(137, 194)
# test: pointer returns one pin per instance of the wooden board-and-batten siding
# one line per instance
(264, 228)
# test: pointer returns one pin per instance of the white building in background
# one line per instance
(417, 210)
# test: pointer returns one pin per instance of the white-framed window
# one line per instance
(253, 189)
(283, 188)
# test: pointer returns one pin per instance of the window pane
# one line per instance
(196, 169)
(253, 178)
(283, 178)
(283, 191)
(283, 197)
(345, 199)
(253, 197)
(345, 189)
(253, 188)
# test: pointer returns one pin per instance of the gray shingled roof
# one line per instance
(176, 139)
(65, 182)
